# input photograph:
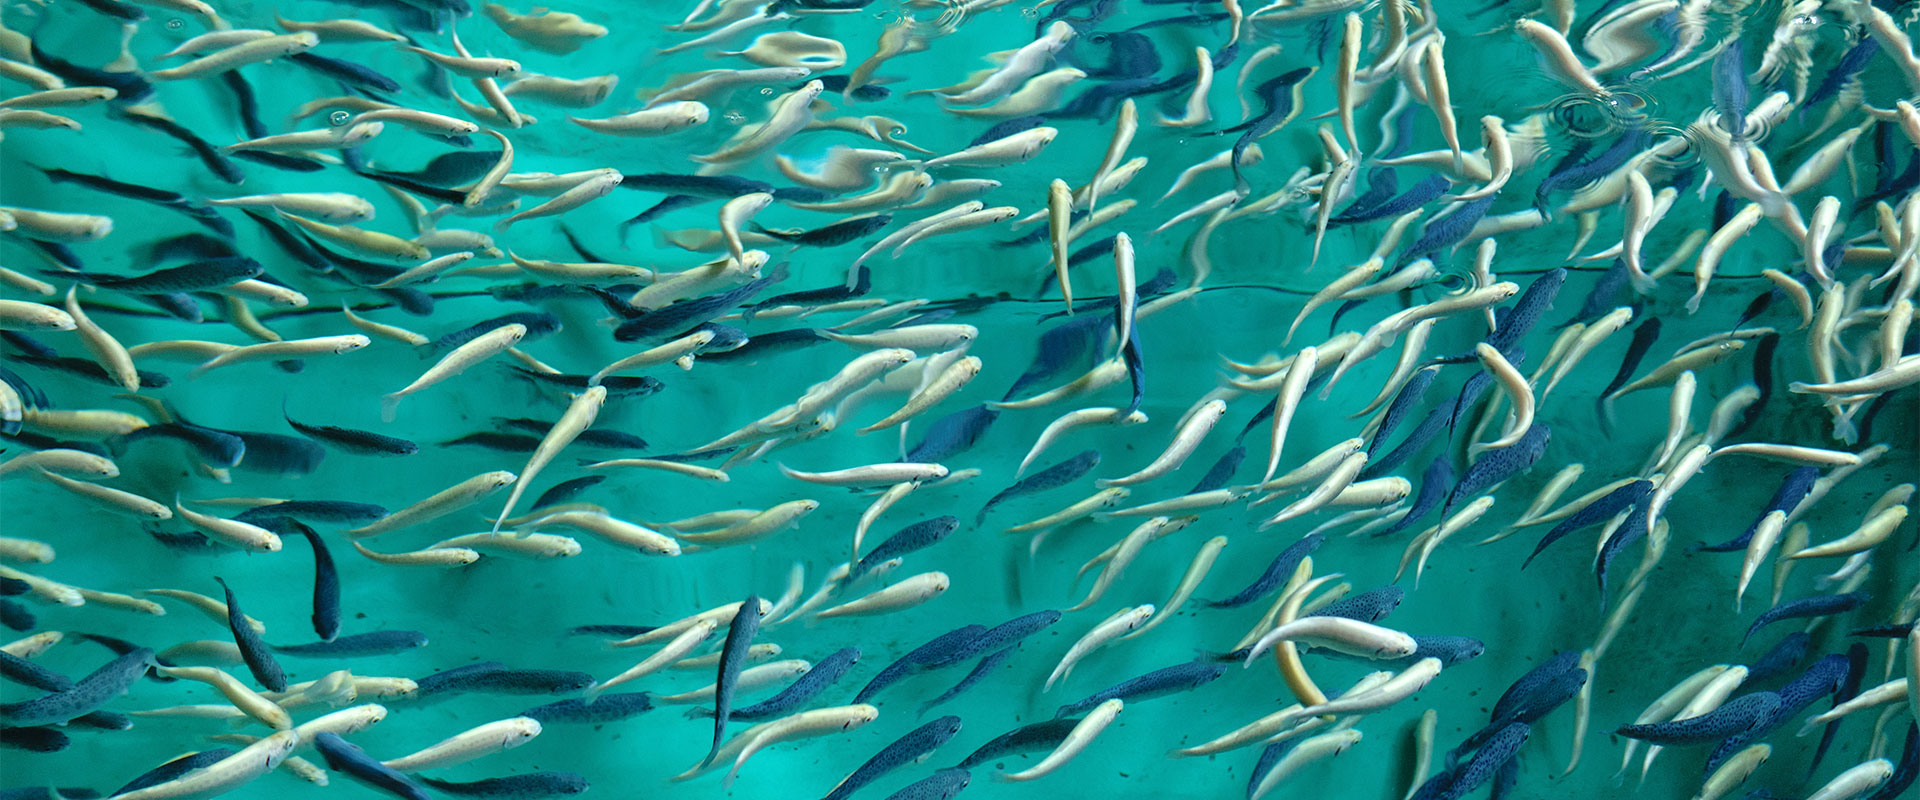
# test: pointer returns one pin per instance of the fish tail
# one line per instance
(390, 406)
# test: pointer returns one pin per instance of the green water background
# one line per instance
(514, 611)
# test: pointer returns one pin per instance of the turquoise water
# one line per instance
(518, 611)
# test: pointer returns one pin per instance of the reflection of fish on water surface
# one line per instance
(875, 292)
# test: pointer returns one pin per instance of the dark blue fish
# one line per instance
(1269, 758)
(1277, 572)
(245, 102)
(1426, 191)
(1052, 477)
(525, 786)
(617, 385)
(538, 323)
(764, 344)
(733, 656)
(35, 740)
(1849, 689)
(1222, 470)
(1006, 128)
(915, 745)
(92, 371)
(1487, 762)
(1136, 373)
(253, 650)
(1528, 709)
(275, 454)
(1382, 183)
(1816, 606)
(1820, 680)
(617, 631)
(1060, 347)
(833, 235)
(1594, 513)
(372, 643)
(160, 197)
(26, 673)
(605, 708)
(355, 75)
(293, 245)
(326, 583)
(1447, 231)
(942, 785)
(1849, 65)
(1129, 55)
(915, 660)
(87, 695)
(863, 283)
(336, 511)
(1533, 304)
(1792, 490)
(496, 679)
(981, 669)
(1450, 650)
(1024, 739)
(491, 440)
(1411, 394)
(279, 161)
(953, 434)
(566, 490)
(814, 681)
(1574, 176)
(125, 13)
(1897, 631)
(1471, 391)
(1158, 683)
(1005, 634)
(1604, 294)
(212, 157)
(1734, 716)
(132, 89)
(1282, 98)
(918, 536)
(346, 757)
(1781, 658)
(1730, 91)
(174, 769)
(692, 312)
(1763, 351)
(212, 273)
(350, 440)
(1644, 335)
(716, 187)
(1422, 435)
(450, 679)
(1496, 466)
(1434, 484)
(1372, 605)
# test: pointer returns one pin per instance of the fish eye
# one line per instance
(1806, 20)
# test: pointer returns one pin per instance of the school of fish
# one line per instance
(1738, 175)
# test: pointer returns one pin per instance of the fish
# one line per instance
(916, 660)
(733, 656)
(606, 708)
(825, 673)
(372, 643)
(1277, 571)
(346, 757)
(523, 785)
(1160, 682)
(910, 747)
(1734, 716)
(1052, 477)
(917, 536)
(1815, 606)
(259, 657)
(87, 695)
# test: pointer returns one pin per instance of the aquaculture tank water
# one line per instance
(1070, 399)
